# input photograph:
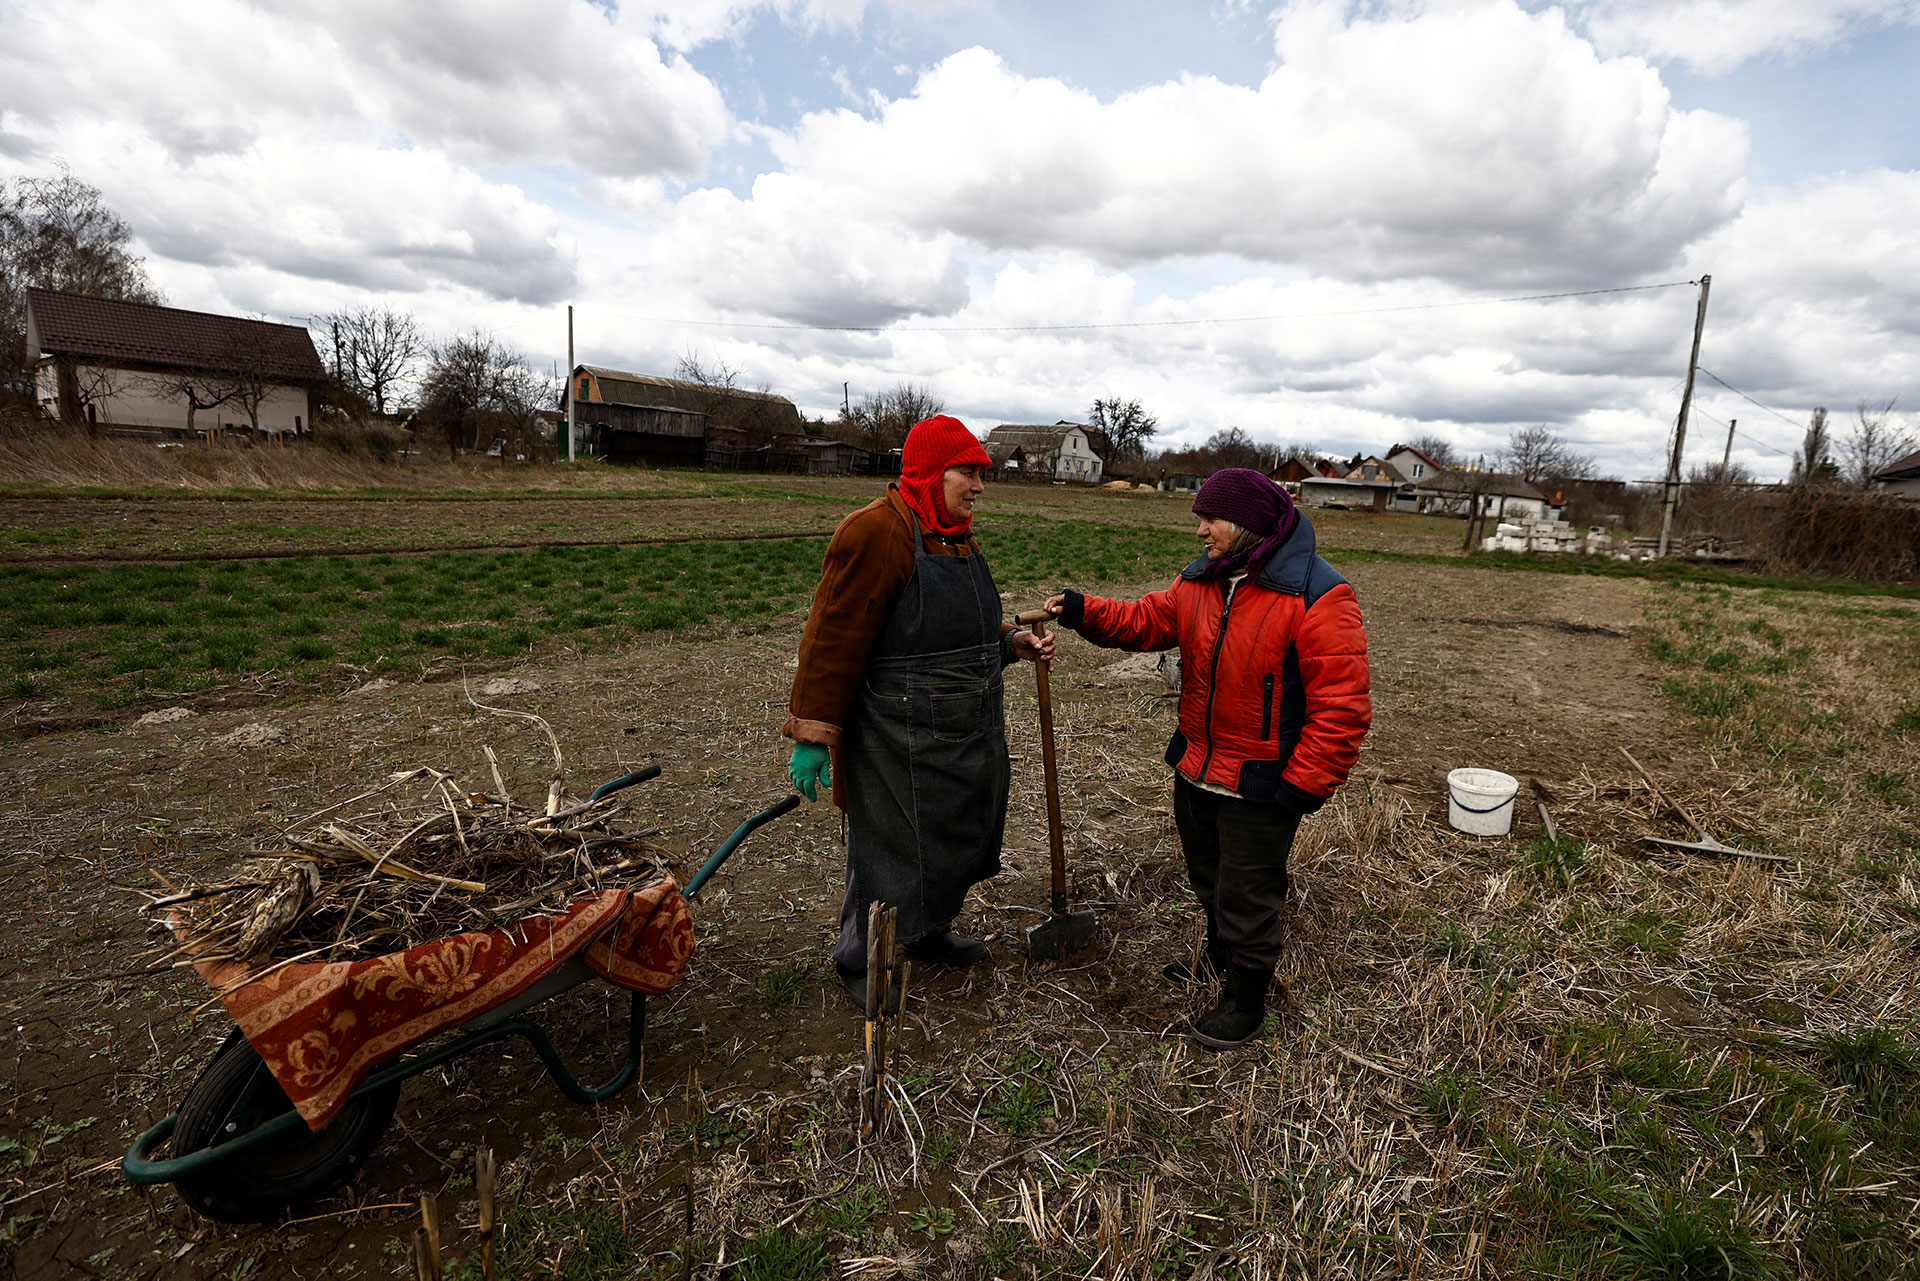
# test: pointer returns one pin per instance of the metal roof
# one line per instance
(1901, 468)
(622, 387)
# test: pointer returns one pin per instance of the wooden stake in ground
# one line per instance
(880, 940)
(483, 1179)
(686, 1241)
(428, 1259)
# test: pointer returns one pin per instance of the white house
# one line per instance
(1343, 491)
(1502, 496)
(1901, 477)
(134, 366)
(1064, 451)
(1413, 465)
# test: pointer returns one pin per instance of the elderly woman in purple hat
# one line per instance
(1273, 704)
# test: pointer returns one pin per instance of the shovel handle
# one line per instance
(1055, 845)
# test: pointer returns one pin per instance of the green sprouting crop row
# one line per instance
(124, 633)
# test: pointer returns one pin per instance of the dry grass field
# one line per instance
(1489, 1057)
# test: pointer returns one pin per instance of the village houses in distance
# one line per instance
(170, 375)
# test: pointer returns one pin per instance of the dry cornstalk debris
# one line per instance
(417, 858)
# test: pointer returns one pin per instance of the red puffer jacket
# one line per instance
(1273, 683)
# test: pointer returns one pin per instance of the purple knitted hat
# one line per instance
(1246, 498)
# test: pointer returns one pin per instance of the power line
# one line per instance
(1750, 400)
(1141, 324)
(1766, 445)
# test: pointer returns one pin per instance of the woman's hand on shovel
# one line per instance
(1031, 648)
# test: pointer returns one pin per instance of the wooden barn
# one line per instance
(642, 420)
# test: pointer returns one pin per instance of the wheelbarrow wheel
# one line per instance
(234, 1095)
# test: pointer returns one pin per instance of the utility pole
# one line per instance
(1680, 427)
(570, 456)
(846, 406)
(1726, 458)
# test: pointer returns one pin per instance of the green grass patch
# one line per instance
(1672, 1238)
(1554, 861)
(1017, 1108)
(783, 986)
(126, 630)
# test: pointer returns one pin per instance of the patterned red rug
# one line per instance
(322, 1027)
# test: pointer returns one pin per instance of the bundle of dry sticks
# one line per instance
(415, 859)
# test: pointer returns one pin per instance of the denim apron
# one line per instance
(925, 751)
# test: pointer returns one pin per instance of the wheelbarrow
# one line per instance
(241, 1154)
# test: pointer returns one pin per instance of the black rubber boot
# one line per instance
(944, 947)
(1213, 960)
(855, 982)
(1241, 1011)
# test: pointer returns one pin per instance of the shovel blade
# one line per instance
(1061, 937)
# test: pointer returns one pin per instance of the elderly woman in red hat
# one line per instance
(897, 703)
(1273, 704)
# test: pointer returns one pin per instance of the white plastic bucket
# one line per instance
(1480, 801)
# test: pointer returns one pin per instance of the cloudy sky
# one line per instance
(1327, 222)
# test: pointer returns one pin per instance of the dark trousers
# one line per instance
(1236, 853)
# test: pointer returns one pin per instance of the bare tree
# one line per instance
(57, 233)
(1734, 473)
(1814, 464)
(1436, 447)
(1126, 425)
(94, 387)
(250, 376)
(1233, 447)
(1875, 442)
(714, 373)
(477, 389)
(372, 351)
(1538, 453)
(884, 420)
(200, 389)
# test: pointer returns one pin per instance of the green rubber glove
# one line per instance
(810, 769)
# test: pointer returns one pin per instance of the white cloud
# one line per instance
(557, 81)
(1483, 144)
(1714, 36)
(507, 81)
(1816, 298)
(354, 143)
(799, 253)
(417, 221)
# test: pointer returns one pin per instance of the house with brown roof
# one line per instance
(1296, 467)
(1412, 464)
(664, 422)
(1901, 477)
(1374, 468)
(130, 366)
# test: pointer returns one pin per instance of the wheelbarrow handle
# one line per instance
(625, 780)
(732, 843)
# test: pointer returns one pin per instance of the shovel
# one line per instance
(1063, 935)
